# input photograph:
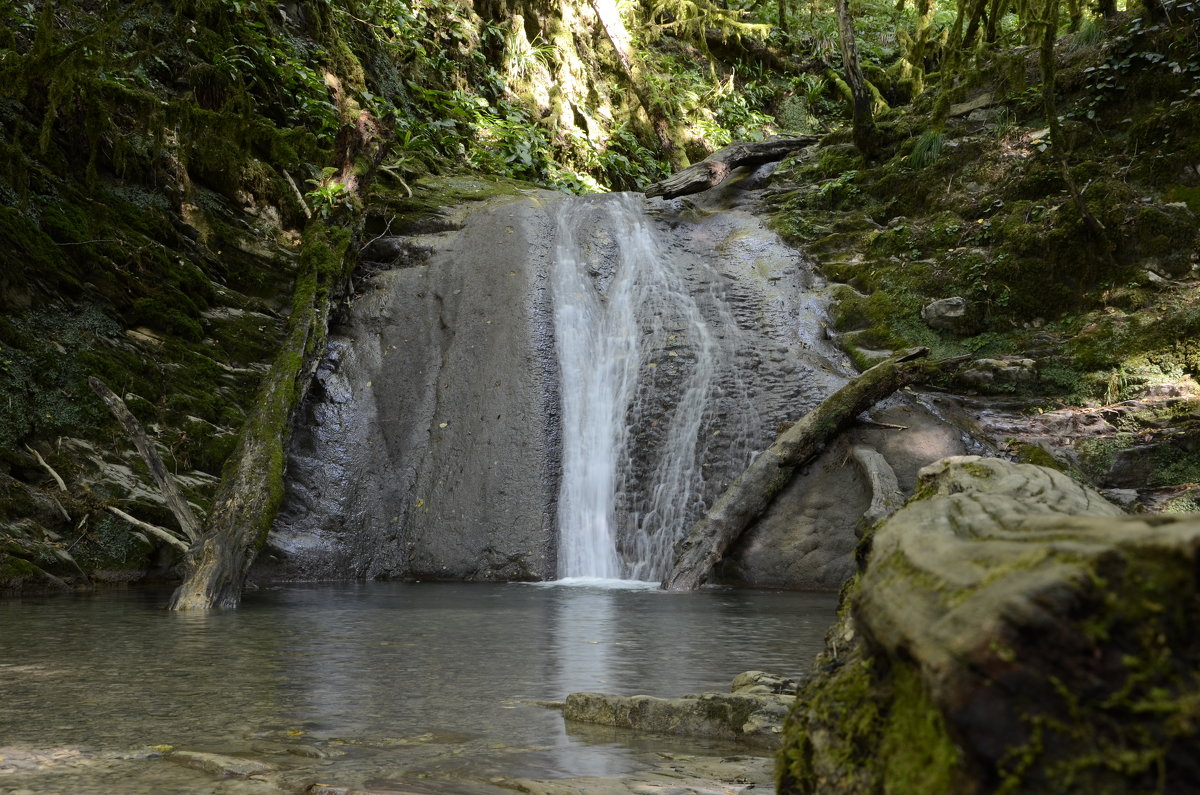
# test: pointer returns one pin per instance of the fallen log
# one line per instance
(750, 494)
(716, 168)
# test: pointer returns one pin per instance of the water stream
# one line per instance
(646, 342)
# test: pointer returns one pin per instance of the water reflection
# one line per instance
(396, 682)
(585, 634)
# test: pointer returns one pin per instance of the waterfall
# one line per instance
(645, 348)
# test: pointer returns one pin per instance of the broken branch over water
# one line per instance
(750, 494)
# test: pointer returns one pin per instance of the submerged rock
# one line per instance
(674, 775)
(220, 764)
(1010, 629)
(753, 712)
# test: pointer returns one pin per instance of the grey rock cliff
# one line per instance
(429, 450)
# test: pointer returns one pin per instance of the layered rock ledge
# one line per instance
(753, 712)
(1010, 631)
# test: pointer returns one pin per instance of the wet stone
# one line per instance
(221, 765)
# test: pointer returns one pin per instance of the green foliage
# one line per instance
(327, 194)
(927, 149)
(694, 19)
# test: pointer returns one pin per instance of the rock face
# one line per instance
(753, 712)
(807, 537)
(1010, 630)
(948, 314)
(429, 449)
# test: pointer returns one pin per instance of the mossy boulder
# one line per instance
(1010, 631)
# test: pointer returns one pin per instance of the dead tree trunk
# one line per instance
(665, 130)
(862, 116)
(714, 169)
(750, 494)
(252, 486)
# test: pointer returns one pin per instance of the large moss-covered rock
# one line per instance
(1010, 631)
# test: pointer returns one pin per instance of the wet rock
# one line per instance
(985, 375)
(429, 449)
(396, 251)
(1010, 625)
(752, 713)
(1126, 498)
(947, 314)
(220, 764)
(762, 683)
(807, 536)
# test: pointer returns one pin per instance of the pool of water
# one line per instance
(426, 687)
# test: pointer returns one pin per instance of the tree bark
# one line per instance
(750, 494)
(173, 497)
(714, 169)
(863, 118)
(251, 488)
(1058, 143)
(618, 37)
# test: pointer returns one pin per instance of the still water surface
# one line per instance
(432, 686)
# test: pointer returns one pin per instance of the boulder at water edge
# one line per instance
(753, 712)
(1010, 631)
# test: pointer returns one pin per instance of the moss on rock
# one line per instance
(1013, 633)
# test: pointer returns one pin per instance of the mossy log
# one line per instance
(716, 168)
(251, 488)
(750, 494)
(252, 485)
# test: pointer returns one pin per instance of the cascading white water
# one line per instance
(640, 365)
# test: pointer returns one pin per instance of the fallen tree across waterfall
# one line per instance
(750, 494)
(716, 168)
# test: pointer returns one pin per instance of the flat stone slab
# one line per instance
(753, 713)
(220, 764)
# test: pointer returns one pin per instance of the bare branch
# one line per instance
(57, 479)
(161, 532)
(299, 195)
(173, 497)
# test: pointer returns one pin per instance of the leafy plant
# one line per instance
(927, 150)
(327, 194)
